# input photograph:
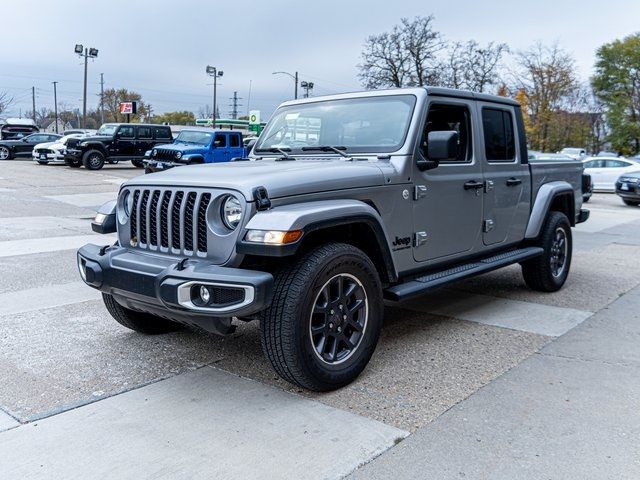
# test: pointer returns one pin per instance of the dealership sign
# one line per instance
(128, 108)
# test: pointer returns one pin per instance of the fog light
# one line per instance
(205, 294)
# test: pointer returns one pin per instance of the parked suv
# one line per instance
(114, 142)
(193, 146)
(346, 202)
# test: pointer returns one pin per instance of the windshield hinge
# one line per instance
(261, 196)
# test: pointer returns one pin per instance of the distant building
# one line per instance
(49, 126)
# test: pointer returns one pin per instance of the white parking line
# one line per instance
(501, 312)
(7, 422)
(202, 424)
(85, 199)
(13, 303)
(12, 248)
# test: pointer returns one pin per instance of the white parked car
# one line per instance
(605, 171)
(575, 153)
(53, 152)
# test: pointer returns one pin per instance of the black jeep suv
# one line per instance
(116, 141)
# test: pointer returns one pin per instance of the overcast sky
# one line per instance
(161, 48)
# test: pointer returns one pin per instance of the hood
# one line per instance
(94, 138)
(280, 178)
(181, 147)
(44, 145)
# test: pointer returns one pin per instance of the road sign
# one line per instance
(129, 108)
(254, 117)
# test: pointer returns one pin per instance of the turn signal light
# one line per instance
(273, 237)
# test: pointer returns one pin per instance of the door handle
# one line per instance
(471, 184)
(512, 182)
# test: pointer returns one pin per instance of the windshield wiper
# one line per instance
(281, 151)
(326, 148)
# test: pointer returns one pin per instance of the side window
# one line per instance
(595, 164)
(161, 133)
(144, 133)
(499, 139)
(220, 140)
(127, 132)
(616, 164)
(234, 140)
(444, 117)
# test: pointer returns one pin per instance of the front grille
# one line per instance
(164, 154)
(44, 150)
(169, 218)
(586, 183)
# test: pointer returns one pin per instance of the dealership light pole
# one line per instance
(308, 87)
(86, 53)
(215, 73)
(295, 79)
(55, 105)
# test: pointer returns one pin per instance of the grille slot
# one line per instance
(173, 220)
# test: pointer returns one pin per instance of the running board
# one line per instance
(420, 285)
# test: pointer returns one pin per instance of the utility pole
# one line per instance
(249, 99)
(33, 99)
(102, 98)
(55, 105)
(296, 89)
(235, 103)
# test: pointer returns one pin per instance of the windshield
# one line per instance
(191, 136)
(369, 124)
(107, 129)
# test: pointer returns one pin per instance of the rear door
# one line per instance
(144, 140)
(447, 200)
(507, 184)
(235, 145)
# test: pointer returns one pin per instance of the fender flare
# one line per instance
(546, 194)
(189, 159)
(312, 217)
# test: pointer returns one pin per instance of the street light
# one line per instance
(86, 53)
(308, 87)
(295, 79)
(215, 73)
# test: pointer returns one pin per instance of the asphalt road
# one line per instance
(74, 382)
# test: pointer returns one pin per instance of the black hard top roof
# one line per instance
(484, 97)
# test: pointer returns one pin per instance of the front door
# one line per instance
(447, 200)
(124, 144)
(507, 189)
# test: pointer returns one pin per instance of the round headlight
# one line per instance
(154, 152)
(231, 212)
(178, 154)
(127, 202)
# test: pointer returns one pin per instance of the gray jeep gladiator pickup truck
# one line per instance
(346, 202)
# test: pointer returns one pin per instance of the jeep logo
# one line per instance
(401, 243)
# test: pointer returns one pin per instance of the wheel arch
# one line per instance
(552, 197)
(346, 221)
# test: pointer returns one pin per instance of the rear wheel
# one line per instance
(325, 318)
(5, 154)
(138, 321)
(549, 271)
(93, 160)
(632, 203)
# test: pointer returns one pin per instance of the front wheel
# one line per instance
(93, 160)
(631, 203)
(549, 271)
(325, 318)
(73, 163)
(5, 153)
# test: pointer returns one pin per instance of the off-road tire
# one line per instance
(93, 160)
(285, 324)
(137, 163)
(138, 321)
(72, 163)
(631, 203)
(538, 272)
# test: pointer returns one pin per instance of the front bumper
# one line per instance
(50, 157)
(631, 190)
(165, 286)
(160, 165)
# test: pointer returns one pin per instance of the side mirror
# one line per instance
(105, 220)
(442, 146)
(217, 143)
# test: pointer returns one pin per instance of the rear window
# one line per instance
(162, 132)
(234, 140)
(144, 132)
(499, 139)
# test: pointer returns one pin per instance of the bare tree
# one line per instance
(473, 67)
(547, 79)
(5, 102)
(405, 56)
